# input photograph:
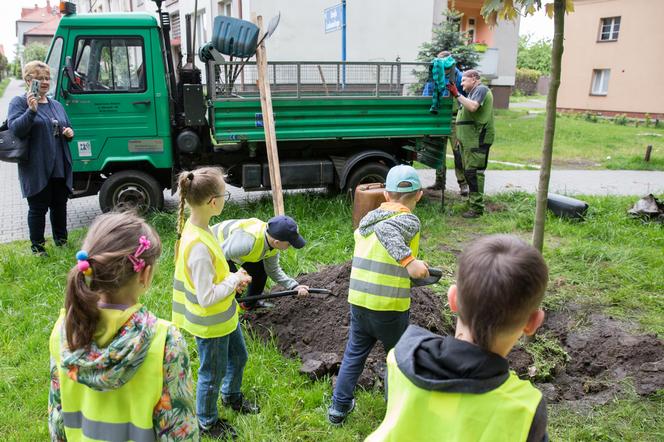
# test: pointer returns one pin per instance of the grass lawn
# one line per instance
(609, 263)
(578, 144)
(3, 85)
(525, 98)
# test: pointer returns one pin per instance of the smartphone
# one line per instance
(34, 87)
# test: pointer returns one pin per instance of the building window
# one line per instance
(225, 7)
(610, 29)
(600, 84)
(175, 25)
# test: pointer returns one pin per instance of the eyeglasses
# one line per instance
(226, 196)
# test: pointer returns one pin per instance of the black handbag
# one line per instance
(12, 148)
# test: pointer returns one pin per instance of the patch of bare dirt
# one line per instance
(316, 330)
(602, 351)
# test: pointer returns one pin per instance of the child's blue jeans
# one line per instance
(222, 359)
(366, 327)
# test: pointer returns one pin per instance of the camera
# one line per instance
(34, 88)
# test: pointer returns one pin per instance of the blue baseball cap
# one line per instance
(402, 179)
(284, 228)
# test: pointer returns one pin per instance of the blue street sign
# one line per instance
(333, 18)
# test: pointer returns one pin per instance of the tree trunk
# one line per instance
(550, 127)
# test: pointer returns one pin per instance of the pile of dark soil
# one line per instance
(601, 353)
(316, 330)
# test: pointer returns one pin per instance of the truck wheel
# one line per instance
(131, 189)
(366, 173)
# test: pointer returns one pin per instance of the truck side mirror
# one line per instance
(68, 70)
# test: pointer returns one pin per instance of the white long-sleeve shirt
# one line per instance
(201, 269)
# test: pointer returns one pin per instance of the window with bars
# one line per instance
(175, 25)
(609, 29)
(600, 85)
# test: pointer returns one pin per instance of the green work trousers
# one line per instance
(458, 166)
(474, 161)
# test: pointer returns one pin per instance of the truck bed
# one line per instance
(308, 107)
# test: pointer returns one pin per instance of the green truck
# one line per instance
(139, 119)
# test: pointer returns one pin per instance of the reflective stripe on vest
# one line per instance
(252, 226)
(213, 321)
(415, 414)
(118, 415)
(378, 281)
(103, 430)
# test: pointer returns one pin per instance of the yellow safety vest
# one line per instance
(123, 414)
(378, 281)
(415, 414)
(252, 226)
(216, 320)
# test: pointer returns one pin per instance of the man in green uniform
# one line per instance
(475, 133)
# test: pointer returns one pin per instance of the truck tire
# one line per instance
(366, 173)
(131, 189)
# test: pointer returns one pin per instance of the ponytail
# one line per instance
(184, 182)
(82, 313)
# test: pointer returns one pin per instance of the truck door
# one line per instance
(111, 103)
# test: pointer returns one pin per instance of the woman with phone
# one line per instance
(46, 176)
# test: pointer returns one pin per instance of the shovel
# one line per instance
(434, 277)
(318, 293)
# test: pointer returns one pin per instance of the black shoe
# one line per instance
(218, 430)
(241, 405)
(60, 242)
(255, 305)
(471, 214)
(39, 250)
(336, 417)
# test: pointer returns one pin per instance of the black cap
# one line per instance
(284, 228)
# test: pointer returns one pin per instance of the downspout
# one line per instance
(343, 43)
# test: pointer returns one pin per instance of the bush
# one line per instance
(620, 119)
(526, 81)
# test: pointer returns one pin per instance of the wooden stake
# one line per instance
(268, 123)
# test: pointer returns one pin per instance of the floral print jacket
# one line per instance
(110, 367)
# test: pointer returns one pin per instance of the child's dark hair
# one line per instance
(501, 280)
(196, 188)
(110, 242)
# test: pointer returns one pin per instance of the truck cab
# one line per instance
(118, 103)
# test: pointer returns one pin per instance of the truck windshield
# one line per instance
(53, 61)
(105, 64)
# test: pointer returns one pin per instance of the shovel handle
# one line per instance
(281, 294)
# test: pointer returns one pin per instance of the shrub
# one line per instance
(526, 81)
(620, 119)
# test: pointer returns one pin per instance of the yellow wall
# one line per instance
(636, 60)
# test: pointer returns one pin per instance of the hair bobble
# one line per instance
(190, 177)
(83, 265)
(143, 245)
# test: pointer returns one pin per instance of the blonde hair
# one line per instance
(31, 69)
(110, 242)
(196, 188)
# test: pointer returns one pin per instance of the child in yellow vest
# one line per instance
(384, 260)
(117, 371)
(460, 388)
(204, 301)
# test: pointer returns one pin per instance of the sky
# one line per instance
(539, 25)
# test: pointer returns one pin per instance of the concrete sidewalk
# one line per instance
(81, 211)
